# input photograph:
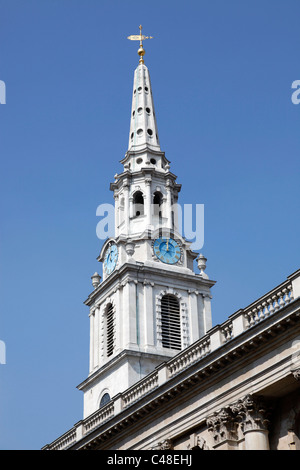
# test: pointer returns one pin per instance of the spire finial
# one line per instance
(140, 37)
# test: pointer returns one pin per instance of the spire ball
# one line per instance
(141, 53)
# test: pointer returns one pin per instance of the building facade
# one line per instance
(160, 376)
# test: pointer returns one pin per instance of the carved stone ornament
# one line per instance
(252, 412)
(222, 425)
(296, 374)
(163, 445)
(129, 249)
(166, 445)
(199, 444)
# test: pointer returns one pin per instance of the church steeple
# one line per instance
(143, 132)
(150, 303)
(143, 127)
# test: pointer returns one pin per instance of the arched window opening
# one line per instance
(138, 204)
(110, 328)
(170, 321)
(104, 400)
(157, 203)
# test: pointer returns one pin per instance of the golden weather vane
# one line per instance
(140, 37)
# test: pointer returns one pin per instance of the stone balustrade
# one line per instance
(189, 355)
(64, 441)
(239, 322)
(99, 417)
(269, 303)
(140, 389)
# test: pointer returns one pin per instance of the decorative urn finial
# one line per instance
(201, 261)
(96, 280)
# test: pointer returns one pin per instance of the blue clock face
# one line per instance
(110, 258)
(167, 250)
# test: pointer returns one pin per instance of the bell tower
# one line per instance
(150, 304)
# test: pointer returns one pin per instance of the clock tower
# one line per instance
(150, 303)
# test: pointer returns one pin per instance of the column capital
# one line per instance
(252, 412)
(223, 426)
(296, 374)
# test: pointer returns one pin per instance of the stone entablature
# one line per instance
(204, 358)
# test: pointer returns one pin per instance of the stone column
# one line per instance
(194, 322)
(131, 207)
(96, 336)
(129, 315)
(169, 205)
(148, 314)
(207, 322)
(126, 206)
(117, 219)
(92, 320)
(253, 414)
(148, 205)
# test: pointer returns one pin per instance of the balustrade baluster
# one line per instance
(260, 313)
(247, 317)
(290, 288)
(276, 306)
(255, 315)
(280, 297)
(265, 309)
(271, 308)
(286, 296)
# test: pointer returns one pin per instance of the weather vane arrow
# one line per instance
(140, 37)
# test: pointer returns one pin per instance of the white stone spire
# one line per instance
(143, 128)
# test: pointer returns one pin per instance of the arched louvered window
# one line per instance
(170, 322)
(110, 327)
(104, 400)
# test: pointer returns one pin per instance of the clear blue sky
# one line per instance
(221, 74)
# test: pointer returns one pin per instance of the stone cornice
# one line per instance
(122, 355)
(142, 151)
(160, 174)
(128, 269)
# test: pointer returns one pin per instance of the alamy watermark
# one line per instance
(2, 92)
(2, 352)
(187, 220)
(296, 94)
(2, 101)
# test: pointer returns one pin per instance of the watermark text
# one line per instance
(296, 94)
(186, 220)
(2, 92)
